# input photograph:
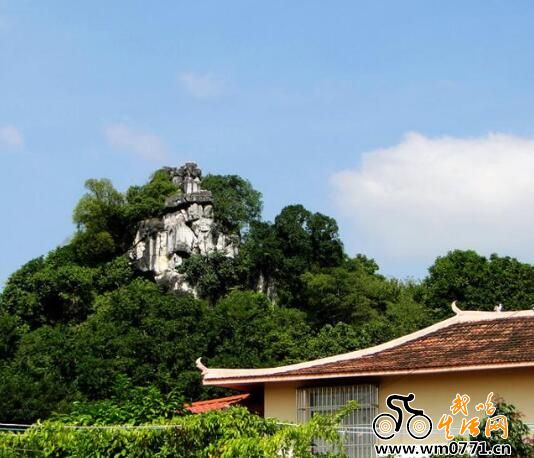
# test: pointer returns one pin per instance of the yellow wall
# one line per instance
(281, 401)
(434, 393)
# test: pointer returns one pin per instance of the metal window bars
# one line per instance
(356, 431)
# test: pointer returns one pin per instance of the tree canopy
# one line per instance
(478, 282)
(238, 204)
(80, 325)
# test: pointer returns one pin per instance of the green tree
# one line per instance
(307, 241)
(478, 283)
(213, 275)
(11, 331)
(335, 340)
(94, 247)
(107, 220)
(43, 292)
(100, 208)
(348, 294)
(41, 376)
(247, 330)
(148, 200)
(292, 230)
(261, 254)
(114, 274)
(237, 204)
(326, 245)
(19, 297)
(405, 314)
(145, 333)
(99, 217)
(56, 290)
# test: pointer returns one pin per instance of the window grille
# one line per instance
(356, 428)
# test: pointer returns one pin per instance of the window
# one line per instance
(356, 429)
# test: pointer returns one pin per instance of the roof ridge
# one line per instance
(460, 316)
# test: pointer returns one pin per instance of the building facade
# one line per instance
(474, 358)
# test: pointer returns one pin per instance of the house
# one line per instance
(470, 354)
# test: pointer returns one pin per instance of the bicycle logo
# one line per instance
(386, 426)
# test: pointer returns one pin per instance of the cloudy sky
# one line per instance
(410, 122)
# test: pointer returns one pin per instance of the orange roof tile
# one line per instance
(216, 404)
(464, 344)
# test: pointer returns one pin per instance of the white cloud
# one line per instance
(146, 146)
(425, 196)
(10, 137)
(200, 86)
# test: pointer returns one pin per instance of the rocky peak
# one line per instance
(187, 178)
(187, 228)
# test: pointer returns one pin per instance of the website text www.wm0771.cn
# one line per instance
(472, 448)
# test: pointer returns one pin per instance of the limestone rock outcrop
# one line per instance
(186, 228)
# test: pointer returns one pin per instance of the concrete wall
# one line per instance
(434, 393)
(281, 401)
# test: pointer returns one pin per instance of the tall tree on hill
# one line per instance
(478, 282)
(237, 204)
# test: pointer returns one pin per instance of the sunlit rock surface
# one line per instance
(187, 228)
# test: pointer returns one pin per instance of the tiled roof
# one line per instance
(467, 341)
(216, 404)
(509, 340)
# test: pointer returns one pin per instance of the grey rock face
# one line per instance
(187, 228)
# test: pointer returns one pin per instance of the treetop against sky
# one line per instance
(410, 123)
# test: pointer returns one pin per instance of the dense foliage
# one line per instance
(238, 204)
(78, 324)
(228, 434)
(479, 282)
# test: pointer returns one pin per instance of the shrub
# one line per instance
(225, 434)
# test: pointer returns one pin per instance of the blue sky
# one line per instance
(364, 110)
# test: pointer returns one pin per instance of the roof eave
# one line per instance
(243, 381)
(227, 377)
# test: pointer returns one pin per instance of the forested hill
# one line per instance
(83, 324)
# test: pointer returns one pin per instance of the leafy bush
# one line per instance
(225, 434)
(132, 405)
